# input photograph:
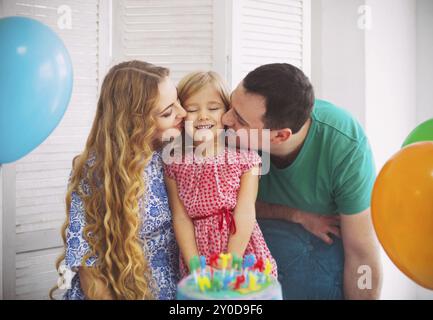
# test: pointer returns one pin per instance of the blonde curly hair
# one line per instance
(121, 142)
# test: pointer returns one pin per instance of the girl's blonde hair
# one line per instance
(196, 81)
(120, 142)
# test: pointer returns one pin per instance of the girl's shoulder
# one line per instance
(243, 156)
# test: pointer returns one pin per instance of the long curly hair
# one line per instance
(121, 143)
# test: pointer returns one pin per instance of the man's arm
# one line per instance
(320, 226)
(362, 264)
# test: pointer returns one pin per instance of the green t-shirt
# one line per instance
(334, 172)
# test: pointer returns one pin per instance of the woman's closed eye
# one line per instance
(168, 113)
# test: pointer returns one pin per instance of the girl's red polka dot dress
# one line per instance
(208, 188)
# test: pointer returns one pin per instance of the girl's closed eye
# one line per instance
(214, 108)
(191, 109)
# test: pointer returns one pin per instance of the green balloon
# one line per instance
(424, 132)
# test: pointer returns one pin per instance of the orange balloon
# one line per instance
(402, 211)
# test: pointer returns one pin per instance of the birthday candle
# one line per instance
(227, 280)
(216, 283)
(268, 267)
(237, 262)
(224, 261)
(259, 265)
(252, 282)
(213, 260)
(203, 264)
(239, 280)
(194, 264)
(248, 262)
(204, 283)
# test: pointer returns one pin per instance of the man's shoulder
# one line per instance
(336, 122)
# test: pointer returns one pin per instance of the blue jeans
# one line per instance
(308, 268)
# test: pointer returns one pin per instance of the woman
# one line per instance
(118, 232)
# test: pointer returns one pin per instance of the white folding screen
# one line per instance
(269, 31)
(36, 207)
(177, 34)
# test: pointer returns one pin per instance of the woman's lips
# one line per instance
(179, 125)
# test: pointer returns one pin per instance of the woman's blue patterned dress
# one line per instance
(156, 231)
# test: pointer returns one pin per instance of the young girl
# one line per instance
(212, 194)
(118, 232)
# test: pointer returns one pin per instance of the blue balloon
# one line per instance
(35, 85)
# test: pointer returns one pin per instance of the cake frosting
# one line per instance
(229, 278)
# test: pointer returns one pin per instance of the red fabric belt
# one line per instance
(224, 214)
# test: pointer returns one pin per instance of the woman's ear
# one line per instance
(280, 136)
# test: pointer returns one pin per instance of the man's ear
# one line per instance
(280, 136)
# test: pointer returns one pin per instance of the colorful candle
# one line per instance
(213, 260)
(236, 262)
(203, 264)
(252, 282)
(227, 280)
(268, 267)
(239, 280)
(216, 283)
(194, 264)
(204, 283)
(259, 265)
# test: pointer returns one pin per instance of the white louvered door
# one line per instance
(229, 36)
(177, 34)
(270, 31)
(40, 178)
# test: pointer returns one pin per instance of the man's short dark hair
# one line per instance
(288, 93)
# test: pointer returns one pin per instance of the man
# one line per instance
(315, 200)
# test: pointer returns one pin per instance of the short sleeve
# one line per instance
(248, 160)
(76, 245)
(170, 170)
(354, 180)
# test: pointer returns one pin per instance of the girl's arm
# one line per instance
(245, 213)
(182, 223)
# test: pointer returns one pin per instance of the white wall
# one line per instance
(424, 78)
(424, 60)
(338, 62)
(372, 74)
(391, 99)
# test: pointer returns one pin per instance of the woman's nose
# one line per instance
(181, 113)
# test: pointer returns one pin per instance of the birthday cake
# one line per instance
(229, 278)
